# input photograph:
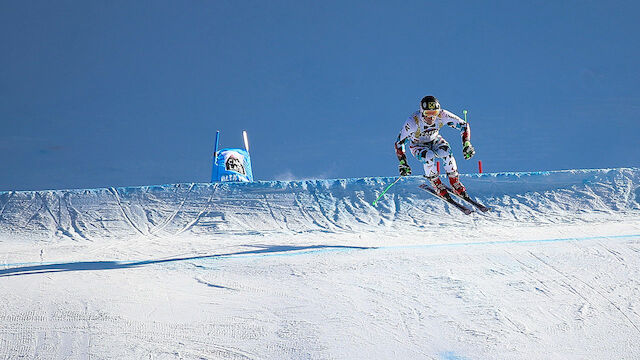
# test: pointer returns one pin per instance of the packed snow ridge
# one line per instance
(329, 206)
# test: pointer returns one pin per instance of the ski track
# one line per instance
(24, 325)
(305, 213)
(202, 211)
(322, 210)
(573, 279)
(8, 200)
(74, 217)
(170, 218)
(114, 191)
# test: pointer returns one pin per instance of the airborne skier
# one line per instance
(426, 143)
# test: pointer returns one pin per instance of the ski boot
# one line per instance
(457, 185)
(439, 186)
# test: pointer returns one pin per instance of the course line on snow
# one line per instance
(418, 246)
(503, 242)
(36, 267)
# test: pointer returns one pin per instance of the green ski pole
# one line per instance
(385, 190)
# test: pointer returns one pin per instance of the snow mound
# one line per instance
(338, 205)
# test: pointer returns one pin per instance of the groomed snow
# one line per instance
(311, 270)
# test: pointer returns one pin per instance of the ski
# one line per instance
(448, 199)
(468, 199)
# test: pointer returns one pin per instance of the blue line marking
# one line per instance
(450, 355)
(502, 242)
(329, 248)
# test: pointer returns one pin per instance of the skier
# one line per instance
(422, 130)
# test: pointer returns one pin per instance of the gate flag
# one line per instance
(232, 164)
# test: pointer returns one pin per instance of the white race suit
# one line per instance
(426, 143)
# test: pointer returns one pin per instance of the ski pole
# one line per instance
(385, 190)
(465, 115)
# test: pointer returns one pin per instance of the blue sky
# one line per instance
(118, 93)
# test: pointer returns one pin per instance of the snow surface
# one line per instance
(311, 270)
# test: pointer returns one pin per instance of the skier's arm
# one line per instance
(400, 149)
(403, 136)
(456, 122)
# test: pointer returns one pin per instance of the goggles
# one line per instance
(430, 113)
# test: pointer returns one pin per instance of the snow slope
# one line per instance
(311, 270)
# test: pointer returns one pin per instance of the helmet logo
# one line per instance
(431, 105)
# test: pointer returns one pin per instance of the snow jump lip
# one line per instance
(543, 176)
(299, 207)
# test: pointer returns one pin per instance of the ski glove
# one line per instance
(404, 168)
(467, 150)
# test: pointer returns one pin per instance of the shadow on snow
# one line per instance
(111, 265)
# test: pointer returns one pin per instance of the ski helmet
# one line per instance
(429, 103)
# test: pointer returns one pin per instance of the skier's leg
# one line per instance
(426, 156)
(443, 150)
(457, 185)
(438, 185)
